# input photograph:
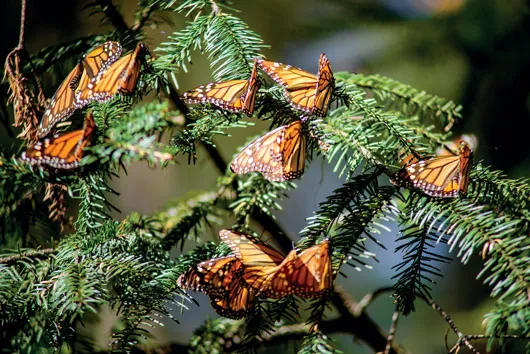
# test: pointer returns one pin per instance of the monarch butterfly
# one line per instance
(303, 90)
(120, 77)
(279, 155)
(233, 95)
(221, 279)
(63, 102)
(307, 274)
(445, 176)
(62, 151)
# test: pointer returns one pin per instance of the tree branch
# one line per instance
(462, 339)
(368, 298)
(28, 254)
(360, 324)
(392, 332)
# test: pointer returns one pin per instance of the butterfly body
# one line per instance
(304, 91)
(64, 101)
(279, 155)
(233, 95)
(445, 176)
(62, 151)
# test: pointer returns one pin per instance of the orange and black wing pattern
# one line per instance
(233, 95)
(251, 250)
(120, 77)
(64, 102)
(62, 151)
(259, 259)
(221, 279)
(303, 90)
(445, 176)
(307, 274)
(279, 155)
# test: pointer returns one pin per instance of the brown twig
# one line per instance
(471, 337)
(368, 298)
(360, 323)
(391, 332)
(27, 254)
(461, 337)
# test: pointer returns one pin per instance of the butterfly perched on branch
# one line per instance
(63, 151)
(303, 90)
(233, 95)
(120, 77)
(279, 155)
(445, 176)
(222, 280)
(306, 274)
(64, 101)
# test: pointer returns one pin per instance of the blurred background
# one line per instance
(474, 52)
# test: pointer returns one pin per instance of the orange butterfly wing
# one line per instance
(279, 155)
(325, 85)
(233, 95)
(441, 176)
(307, 275)
(221, 279)
(304, 91)
(251, 250)
(259, 258)
(273, 275)
(64, 102)
(121, 77)
(62, 151)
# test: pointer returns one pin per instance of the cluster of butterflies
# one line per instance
(98, 77)
(279, 155)
(257, 269)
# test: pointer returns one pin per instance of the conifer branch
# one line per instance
(349, 322)
(127, 264)
(417, 266)
(27, 254)
(406, 99)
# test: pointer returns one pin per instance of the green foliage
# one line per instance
(416, 269)
(254, 191)
(348, 213)
(216, 336)
(317, 343)
(230, 44)
(396, 96)
(47, 293)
